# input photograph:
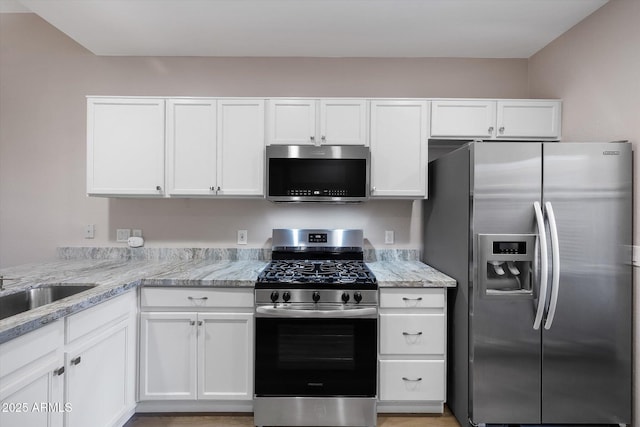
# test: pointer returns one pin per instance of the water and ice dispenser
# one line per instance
(506, 264)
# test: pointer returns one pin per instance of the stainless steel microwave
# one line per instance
(308, 173)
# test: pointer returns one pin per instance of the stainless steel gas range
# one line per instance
(316, 332)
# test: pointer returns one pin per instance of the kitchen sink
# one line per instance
(28, 299)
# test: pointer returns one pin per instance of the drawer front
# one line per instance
(412, 298)
(412, 333)
(196, 298)
(412, 380)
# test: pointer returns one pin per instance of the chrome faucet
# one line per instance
(2, 279)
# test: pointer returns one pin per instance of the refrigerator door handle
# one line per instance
(555, 265)
(544, 267)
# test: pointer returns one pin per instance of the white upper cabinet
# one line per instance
(191, 147)
(240, 147)
(491, 119)
(399, 133)
(215, 147)
(463, 119)
(125, 146)
(528, 119)
(316, 122)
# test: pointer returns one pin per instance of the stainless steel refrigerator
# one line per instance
(538, 236)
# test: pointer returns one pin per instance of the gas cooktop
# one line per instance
(317, 273)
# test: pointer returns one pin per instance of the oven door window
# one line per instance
(315, 357)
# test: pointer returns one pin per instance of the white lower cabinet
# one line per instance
(412, 356)
(77, 372)
(32, 378)
(100, 364)
(196, 345)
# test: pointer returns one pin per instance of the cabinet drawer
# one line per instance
(412, 333)
(412, 298)
(196, 298)
(412, 380)
(27, 348)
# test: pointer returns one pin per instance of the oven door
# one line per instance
(316, 357)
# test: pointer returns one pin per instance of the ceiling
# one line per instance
(312, 28)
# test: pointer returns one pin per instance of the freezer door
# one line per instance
(505, 349)
(587, 348)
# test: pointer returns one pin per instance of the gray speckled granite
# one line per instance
(164, 254)
(119, 270)
(409, 274)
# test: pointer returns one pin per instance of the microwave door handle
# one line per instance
(555, 265)
(544, 268)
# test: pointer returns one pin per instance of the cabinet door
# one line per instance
(32, 378)
(292, 121)
(125, 146)
(168, 356)
(97, 376)
(191, 147)
(463, 119)
(37, 400)
(528, 119)
(225, 356)
(241, 147)
(343, 122)
(399, 148)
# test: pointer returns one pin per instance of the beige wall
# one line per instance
(45, 76)
(595, 69)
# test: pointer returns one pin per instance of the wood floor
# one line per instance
(246, 420)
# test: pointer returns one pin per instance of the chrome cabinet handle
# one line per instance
(158, 188)
(323, 138)
(490, 130)
(192, 322)
(218, 188)
(198, 298)
(411, 299)
(76, 361)
(410, 334)
(312, 138)
(58, 371)
(200, 322)
(501, 130)
(212, 188)
(412, 380)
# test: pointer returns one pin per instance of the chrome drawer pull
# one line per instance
(408, 334)
(411, 299)
(414, 380)
(200, 298)
(76, 361)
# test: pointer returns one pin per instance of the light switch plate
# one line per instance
(389, 237)
(89, 231)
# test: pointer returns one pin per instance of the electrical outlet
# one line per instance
(122, 235)
(636, 256)
(136, 233)
(242, 237)
(389, 237)
(89, 231)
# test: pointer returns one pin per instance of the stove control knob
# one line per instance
(316, 296)
(345, 297)
(286, 296)
(357, 296)
(274, 296)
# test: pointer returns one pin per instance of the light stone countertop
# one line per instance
(114, 277)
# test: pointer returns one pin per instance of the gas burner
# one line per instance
(317, 272)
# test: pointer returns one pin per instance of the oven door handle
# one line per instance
(370, 312)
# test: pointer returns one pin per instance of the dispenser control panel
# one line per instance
(511, 248)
